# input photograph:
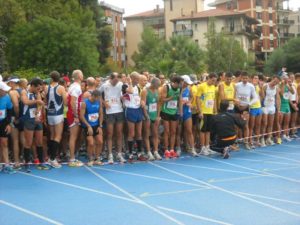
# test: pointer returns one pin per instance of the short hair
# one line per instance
(237, 73)
(244, 73)
(36, 82)
(76, 74)
(90, 81)
(113, 75)
(224, 104)
(176, 79)
(228, 74)
(96, 93)
(276, 77)
(55, 76)
(212, 75)
(297, 75)
(61, 82)
(155, 81)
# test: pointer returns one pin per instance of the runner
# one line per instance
(6, 111)
(111, 92)
(91, 116)
(151, 111)
(294, 107)
(171, 100)
(56, 98)
(207, 104)
(74, 92)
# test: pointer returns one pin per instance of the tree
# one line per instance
(223, 53)
(3, 62)
(275, 62)
(179, 55)
(47, 44)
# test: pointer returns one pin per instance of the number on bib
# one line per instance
(93, 117)
(172, 104)
(153, 107)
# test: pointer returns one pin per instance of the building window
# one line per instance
(171, 5)
(258, 3)
(228, 5)
(270, 3)
(196, 26)
(270, 16)
(258, 15)
(271, 30)
(272, 44)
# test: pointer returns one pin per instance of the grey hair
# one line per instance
(76, 74)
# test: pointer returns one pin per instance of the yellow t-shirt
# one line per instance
(207, 94)
(194, 90)
(257, 104)
(229, 94)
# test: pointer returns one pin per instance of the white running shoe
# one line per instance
(120, 158)
(262, 142)
(150, 156)
(54, 164)
(204, 151)
(211, 152)
(286, 138)
(193, 152)
(156, 155)
(110, 159)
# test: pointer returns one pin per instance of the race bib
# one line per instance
(2, 114)
(210, 104)
(172, 104)
(153, 107)
(231, 106)
(32, 113)
(185, 99)
(243, 98)
(93, 117)
(269, 101)
(114, 101)
(137, 100)
(286, 96)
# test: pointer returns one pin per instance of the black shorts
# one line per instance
(294, 103)
(19, 125)
(195, 119)
(66, 125)
(114, 118)
(239, 111)
(95, 131)
(206, 123)
(33, 126)
(3, 134)
(168, 117)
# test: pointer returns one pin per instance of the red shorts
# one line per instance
(71, 119)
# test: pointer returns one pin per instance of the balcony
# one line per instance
(282, 9)
(285, 22)
(286, 35)
(188, 33)
(239, 29)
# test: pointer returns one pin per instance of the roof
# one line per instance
(214, 13)
(112, 7)
(151, 13)
(217, 2)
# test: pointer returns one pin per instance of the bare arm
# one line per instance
(14, 95)
(82, 114)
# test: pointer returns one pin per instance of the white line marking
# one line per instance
(275, 156)
(135, 198)
(80, 187)
(194, 216)
(29, 212)
(270, 198)
(235, 179)
(247, 168)
(283, 168)
(292, 146)
(265, 161)
(149, 177)
(209, 168)
(228, 192)
(147, 194)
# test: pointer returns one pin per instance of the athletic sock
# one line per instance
(55, 146)
(130, 146)
(139, 145)
(27, 155)
(40, 154)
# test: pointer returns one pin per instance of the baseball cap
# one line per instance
(4, 86)
(14, 79)
(187, 79)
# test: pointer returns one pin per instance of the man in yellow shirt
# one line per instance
(207, 106)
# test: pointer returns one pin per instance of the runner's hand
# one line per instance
(8, 129)
(90, 131)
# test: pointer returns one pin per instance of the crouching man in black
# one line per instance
(224, 129)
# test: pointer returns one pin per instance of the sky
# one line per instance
(136, 6)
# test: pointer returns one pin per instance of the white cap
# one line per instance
(4, 86)
(187, 79)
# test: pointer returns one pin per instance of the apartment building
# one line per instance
(114, 17)
(295, 28)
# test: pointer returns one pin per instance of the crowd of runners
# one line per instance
(140, 117)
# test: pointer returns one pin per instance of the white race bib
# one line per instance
(172, 104)
(2, 114)
(210, 104)
(32, 113)
(153, 107)
(93, 117)
(286, 96)
(269, 101)
(137, 100)
(231, 106)
(114, 101)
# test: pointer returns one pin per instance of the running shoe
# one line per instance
(178, 151)
(141, 157)
(90, 163)
(110, 159)
(17, 166)
(193, 152)
(98, 162)
(247, 146)
(235, 147)
(27, 168)
(36, 161)
(130, 158)
(150, 156)
(8, 169)
(173, 154)
(120, 158)
(167, 154)
(204, 151)
(211, 152)
(269, 141)
(286, 138)
(262, 142)
(54, 164)
(279, 141)
(42, 166)
(75, 163)
(157, 155)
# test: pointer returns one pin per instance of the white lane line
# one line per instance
(209, 168)
(228, 192)
(135, 198)
(250, 169)
(194, 216)
(147, 194)
(79, 187)
(265, 161)
(269, 198)
(29, 212)
(275, 156)
(149, 177)
(283, 168)
(235, 179)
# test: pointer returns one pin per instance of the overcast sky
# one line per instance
(136, 6)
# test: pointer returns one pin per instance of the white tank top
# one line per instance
(133, 100)
(270, 96)
(293, 97)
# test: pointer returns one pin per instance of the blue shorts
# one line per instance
(256, 112)
(134, 115)
(186, 116)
